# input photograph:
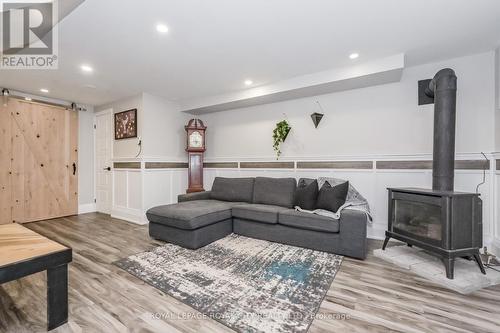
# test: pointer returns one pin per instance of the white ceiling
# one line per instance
(213, 46)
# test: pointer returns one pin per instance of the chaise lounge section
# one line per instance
(259, 208)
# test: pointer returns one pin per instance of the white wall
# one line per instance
(86, 160)
(163, 129)
(496, 227)
(497, 77)
(376, 120)
(164, 140)
(496, 247)
(497, 90)
(160, 125)
(375, 123)
(126, 148)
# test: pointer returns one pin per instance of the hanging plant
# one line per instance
(280, 133)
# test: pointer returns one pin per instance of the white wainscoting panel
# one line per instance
(162, 186)
(137, 190)
(373, 184)
(496, 226)
(120, 188)
(467, 181)
(157, 188)
(179, 183)
(127, 195)
(134, 190)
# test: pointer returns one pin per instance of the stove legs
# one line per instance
(479, 263)
(385, 243)
(449, 265)
(448, 259)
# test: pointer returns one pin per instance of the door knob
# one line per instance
(107, 169)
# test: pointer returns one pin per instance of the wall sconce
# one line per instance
(316, 116)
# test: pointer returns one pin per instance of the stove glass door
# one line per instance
(415, 217)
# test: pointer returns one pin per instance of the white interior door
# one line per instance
(104, 154)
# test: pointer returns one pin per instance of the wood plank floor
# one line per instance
(366, 296)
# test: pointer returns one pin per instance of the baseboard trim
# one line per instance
(87, 208)
(129, 215)
(376, 231)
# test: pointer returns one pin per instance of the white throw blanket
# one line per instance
(354, 201)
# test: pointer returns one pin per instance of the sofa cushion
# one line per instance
(308, 221)
(190, 215)
(233, 189)
(258, 212)
(332, 198)
(306, 193)
(274, 191)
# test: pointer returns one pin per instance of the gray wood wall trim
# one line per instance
(127, 165)
(336, 165)
(267, 165)
(404, 165)
(166, 165)
(419, 165)
(364, 165)
(221, 165)
(472, 164)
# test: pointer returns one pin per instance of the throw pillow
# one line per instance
(306, 194)
(331, 198)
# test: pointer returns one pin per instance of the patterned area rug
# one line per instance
(246, 284)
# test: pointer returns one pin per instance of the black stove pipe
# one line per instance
(443, 87)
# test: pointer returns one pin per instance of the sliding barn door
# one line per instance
(43, 161)
(5, 172)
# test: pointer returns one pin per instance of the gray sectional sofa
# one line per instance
(260, 208)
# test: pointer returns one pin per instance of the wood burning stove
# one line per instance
(446, 223)
(439, 220)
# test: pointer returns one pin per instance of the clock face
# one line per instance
(195, 140)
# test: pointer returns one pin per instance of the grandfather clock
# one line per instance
(195, 148)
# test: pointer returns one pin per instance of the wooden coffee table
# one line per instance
(24, 252)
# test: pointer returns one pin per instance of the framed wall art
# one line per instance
(126, 124)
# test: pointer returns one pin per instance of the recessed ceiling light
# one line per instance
(44, 90)
(27, 98)
(354, 55)
(248, 82)
(86, 68)
(162, 28)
